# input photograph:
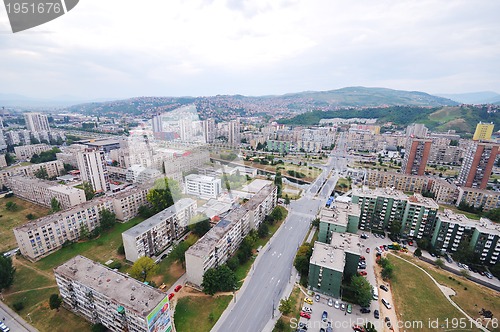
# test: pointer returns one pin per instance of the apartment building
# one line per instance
(117, 301)
(222, 240)
(69, 153)
(417, 152)
(42, 192)
(209, 130)
(479, 159)
(53, 168)
(397, 181)
(25, 152)
(340, 218)
(381, 207)
(36, 122)
(203, 186)
(156, 233)
(447, 155)
(45, 235)
(3, 161)
(331, 263)
(234, 135)
(92, 166)
(187, 162)
(443, 191)
(488, 199)
(452, 229)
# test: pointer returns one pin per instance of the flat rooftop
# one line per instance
(328, 257)
(483, 225)
(418, 199)
(347, 242)
(339, 213)
(378, 192)
(259, 197)
(200, 178)
(158, 218)
(256, 185)
(205, 246)
(126, 291)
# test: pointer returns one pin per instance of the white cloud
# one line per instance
(201, 47)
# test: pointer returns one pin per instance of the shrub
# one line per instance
(18, 306)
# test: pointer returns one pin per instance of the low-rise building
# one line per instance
(487, 199)
(53, 169)
(117, 301)
(398, 181)
(331, 263)
(27, 151)
(222, 240)
(42, 192)
(158, 232)
(203, 186)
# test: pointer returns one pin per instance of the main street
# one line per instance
(259, 300)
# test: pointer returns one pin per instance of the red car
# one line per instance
(358, 328)
(410, 242)
(362, 273)
(305, 315)
(171, 295)
(367, 250)
(177, 288)
(362, 258)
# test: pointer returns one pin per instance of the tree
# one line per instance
(89, 190)
(263, 230)
(233, 263)
(220, 279)
(465, 273)
(301, 261)
(84, 231)
(315, 222)
(55, 206)
(387, 272)
(7, 271)
(278, 213)
(287, 200)
(41, 174)
(280, 325)
(178, 252)
(164, 193)
(143, 268)
(362, 290)
(99, 328)
(55, 302)
(245, 250)
(418, 252)
(201, 227)
(11, 206)
(278, 181)
(120, 250)
(493, 214)
(145, 212)
(107, 219)
(286, 306)
(464, 253)
(30, 216)
(9, 159)
(396, 227)
(439, 263)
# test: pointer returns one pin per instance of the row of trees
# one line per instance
(44, 156)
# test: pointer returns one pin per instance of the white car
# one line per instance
(307, 309)
(330, 302)
(337, 304)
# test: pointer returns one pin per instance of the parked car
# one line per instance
(384, 287)
(317, 298)
(305, 315)
(342, 306)
(362, 273)
(177, 288)
(358, 328)
(349, 308)
(306, 309)
(330, 303)
(362, 258)
(337, 304)
(376, 314)
(308, 300)
(365, 310)
(324, 316)
(432, 254)
(367, 250)
(171, 295)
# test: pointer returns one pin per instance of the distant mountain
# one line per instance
(15, 100)
(476, 98)
(372, 97)
(462, 119)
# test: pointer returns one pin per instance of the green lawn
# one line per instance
(456, 210)
(418, 299)
(199, 313)
(101, 249)
(11, 219)
(470, 296)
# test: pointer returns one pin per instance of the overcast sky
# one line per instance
(123, 48)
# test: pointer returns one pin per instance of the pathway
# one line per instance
(447, 292)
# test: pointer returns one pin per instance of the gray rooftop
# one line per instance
(127, 291)
(328, 257)
(204, 246)
(339, 213)
(259, 197)
(347, 242)
(158, 218)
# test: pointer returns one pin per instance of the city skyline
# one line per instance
(116, 50)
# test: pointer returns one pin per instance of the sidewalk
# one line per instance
(14, 321)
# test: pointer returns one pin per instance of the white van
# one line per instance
(387, 304)
(375, 293)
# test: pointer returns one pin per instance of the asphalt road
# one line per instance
(256, 303)
(14, 321)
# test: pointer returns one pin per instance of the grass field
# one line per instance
(101, 249)
(199, 313)
(456, 210)
(11, 219)
(418, 299)
(470, 296)
(33, 288)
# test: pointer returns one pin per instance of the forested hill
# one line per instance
(460, 118)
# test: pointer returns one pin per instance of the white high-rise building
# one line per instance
(234, 136)
(36, 122)
(209, 130)
(157, 123)
(203, 186)
(92, 166)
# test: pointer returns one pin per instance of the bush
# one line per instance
(115, 265)
(18, 306)
(121, 250)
